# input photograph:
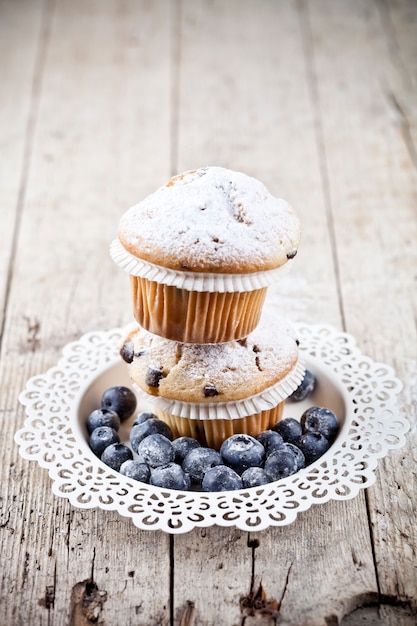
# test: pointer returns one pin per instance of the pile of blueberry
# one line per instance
(155, 457)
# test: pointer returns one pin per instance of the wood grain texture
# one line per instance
(95, 150)
(20, 74)
(104, 101)
(310, 553)
(373, 206)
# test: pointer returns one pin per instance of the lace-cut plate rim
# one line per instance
(361, 392)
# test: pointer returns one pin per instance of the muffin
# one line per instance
(201, 252)
(211, 391)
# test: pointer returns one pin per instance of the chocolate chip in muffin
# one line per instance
(153, 376)
(127, 352)
(210, 391)
(258, 364)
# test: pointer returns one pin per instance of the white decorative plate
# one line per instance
(362, 393)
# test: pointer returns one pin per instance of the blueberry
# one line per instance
(312, 445)
(280, 464)
(255, 477)
(182, 446)
(136, 470)
(148, 427)
(198, 461)
(102, 437)
(221, 478)
(115, 454)
(289, 429)
(153, 376)
(102, 417)
(210, 391)
(242, 451)
(320, 420)
(156, 450)
(270, 440)
(170, 476)
(120, 399)
(305, 388)
(298, 454)
(142, 417)
(127, 352)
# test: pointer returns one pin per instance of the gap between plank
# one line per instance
(171, 580)
(176, 13)
(394, 102)
(309, 60)
(371, 535)
(48, 9)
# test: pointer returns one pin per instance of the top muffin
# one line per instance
(212, 220)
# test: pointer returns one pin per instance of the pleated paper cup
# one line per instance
(212, 433)
(192, 307)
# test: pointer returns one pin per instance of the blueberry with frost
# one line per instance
(120, 399)
(102, 437)
(102, 417)
(143, 417)
(289, 428)
(115, 455)
(270, 440)
(136, 470)
(305, 388)
(198, 461)
(280, 464)
(298, 454)
(170, 476)
(182, 446)
(320, 420)
(241, 451)
(255, 477)
(313, 446)
(221, 478)
(146, 428)
(155, 450)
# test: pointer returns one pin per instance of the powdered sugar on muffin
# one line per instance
(212, 372)
(212, 220)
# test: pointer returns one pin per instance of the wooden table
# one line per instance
(101, 101)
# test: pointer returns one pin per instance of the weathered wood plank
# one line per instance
(19, 72)
(127, 93)
(372, 182)
(265, 122)
(101, 141)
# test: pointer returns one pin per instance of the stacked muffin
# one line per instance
(201, 252)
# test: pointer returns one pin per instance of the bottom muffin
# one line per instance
(211, 391)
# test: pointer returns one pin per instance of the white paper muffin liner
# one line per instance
(195, 281)
(263, 401)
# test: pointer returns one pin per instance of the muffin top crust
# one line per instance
(211, 372)
(212, 220)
